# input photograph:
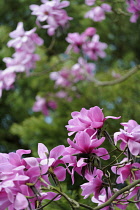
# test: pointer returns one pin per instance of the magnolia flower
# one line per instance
(41, 105)
(87, 119)
(76, 41)
(24, 40)
(90, 2)
(79, 71)
(134, 8)
(94, 184)
(52, 13)
(7, 79)
(52, 160)
(126, 170)
(87, 42)
(97, 14)
(16, 173)
(130, 137)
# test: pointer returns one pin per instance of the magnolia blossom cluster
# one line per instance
(41, 105)
(52, 13)
(20, 185)
(26, 182)
(97, 13)
(129, 137)
(134, 8)
(87, 44)
(24, 58)
(84, 156)
(79, 71)
(24, 43)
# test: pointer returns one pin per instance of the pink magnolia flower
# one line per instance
(76, 41)
(82, 153)
(61, 78)
(12, 177)
(94, 48)
(94, 184)
(126, 170)
(21, 62)
(134, 8)
(7, 79)
(97, 14)
(53, 160)
(120, 202)
(82, 70)
(87, 119)
(24, 43)
(85, 144)
(68, 77)
(24, 40)
(41, 105)
(24, 59)
(90, 2)
(130, 137)
(52, 13)
(15, 175)
(88, 43)
(90, 31)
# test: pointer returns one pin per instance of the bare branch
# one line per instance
(127, 188)
(75, 205)
(119, 80)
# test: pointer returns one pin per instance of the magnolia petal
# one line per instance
(42, 151)
(102, 153)
(60, 172)
(56, 152)
(83, 140)
(134, 147)
(20, 202)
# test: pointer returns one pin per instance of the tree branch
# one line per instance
(107, 203)
(119, 80)
(75, 205)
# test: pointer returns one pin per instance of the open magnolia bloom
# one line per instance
(52, 13)
(130, 137)
(126, 170)
(52, 160)
(87, 119)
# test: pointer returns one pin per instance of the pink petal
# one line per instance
(31, 161)
(83, 140)
(134, 147)
(42, 151)
(60, 172)
(102, 153)
(96, 143)
(72, 144)
(21, 152)
(56, 152)
(96, 114)
(20, 202)
(112, 117)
